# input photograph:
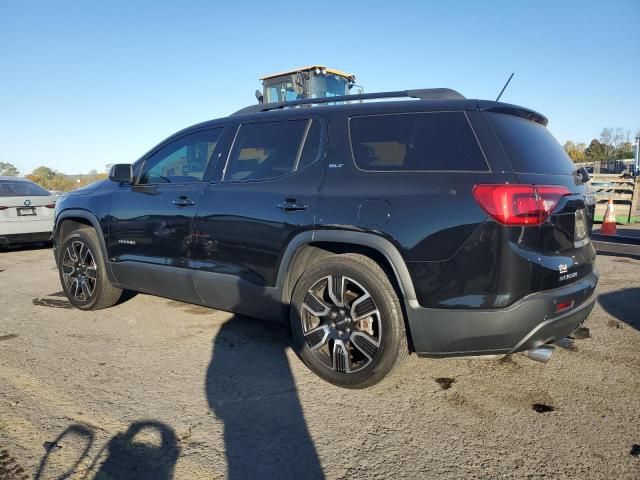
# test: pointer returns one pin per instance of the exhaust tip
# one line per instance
(540, 354)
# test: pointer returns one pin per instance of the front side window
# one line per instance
(273, 149)
(182, 161)
(415, 141)
(282, 92)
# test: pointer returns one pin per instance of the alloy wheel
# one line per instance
(79, 271)
(341, 324)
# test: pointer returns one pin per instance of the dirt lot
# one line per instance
(154, 388)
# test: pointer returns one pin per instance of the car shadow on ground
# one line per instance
(623, 304)
(25, 247)
(148, 450)
(250, 388)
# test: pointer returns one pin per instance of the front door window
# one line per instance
(182, 161)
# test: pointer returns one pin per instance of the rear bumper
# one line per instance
(21, 227)
(528, 323)
(18, 238)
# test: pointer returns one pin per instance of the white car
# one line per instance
(26, 211)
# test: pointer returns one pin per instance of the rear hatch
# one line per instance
(21, 201)
(561, 252)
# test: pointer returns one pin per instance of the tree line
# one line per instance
(52, 179)
(612, 144)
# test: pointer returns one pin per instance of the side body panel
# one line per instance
(146, 229)
(242, 232)
(433, 220)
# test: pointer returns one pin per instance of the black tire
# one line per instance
(102, 293)
(385, 324)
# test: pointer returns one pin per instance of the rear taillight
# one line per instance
(51, 205)
(519, 204)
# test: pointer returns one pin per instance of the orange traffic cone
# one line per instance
(609, 222)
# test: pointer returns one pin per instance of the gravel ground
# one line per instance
(154, 388)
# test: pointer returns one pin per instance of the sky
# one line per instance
(84, 84)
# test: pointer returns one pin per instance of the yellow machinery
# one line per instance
(314, 81)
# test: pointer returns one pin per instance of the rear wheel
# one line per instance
(83, 272)
(346, 321)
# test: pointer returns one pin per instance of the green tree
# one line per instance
(596, 151)
(50, 179)
(8, 170)
(44, 173)
(624, 150)
(575, 151)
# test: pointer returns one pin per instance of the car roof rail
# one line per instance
(421, 94)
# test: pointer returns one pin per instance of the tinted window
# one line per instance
(529, 146)
(271, 150)
(415, 141)
(182, 161)
(10, 188)
(311, 148)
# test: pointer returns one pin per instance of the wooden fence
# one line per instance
(623, 192)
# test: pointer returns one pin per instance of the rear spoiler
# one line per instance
(498, 107)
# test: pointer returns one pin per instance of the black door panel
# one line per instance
(245, 222)
(146, 224)
(151, 223)
(241, 230)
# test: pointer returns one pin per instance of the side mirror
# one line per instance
(121, 173)
(259, 96)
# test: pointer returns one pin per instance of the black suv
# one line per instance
(434, 224)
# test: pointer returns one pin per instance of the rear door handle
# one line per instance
(183, 202)
(291, 205)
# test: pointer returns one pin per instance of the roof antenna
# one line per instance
(505, 87)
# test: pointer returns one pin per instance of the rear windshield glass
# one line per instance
(9, 188)
(415, 141)
(529, 146)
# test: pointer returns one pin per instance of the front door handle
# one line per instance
(183, 202)
(292, 205)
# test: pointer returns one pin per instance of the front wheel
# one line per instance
(346, 321)
(83, 272)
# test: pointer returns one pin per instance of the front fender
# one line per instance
(82, 216)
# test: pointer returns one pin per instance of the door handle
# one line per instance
(291, 205)
(183, 202)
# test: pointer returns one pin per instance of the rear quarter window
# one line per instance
(434, 141)
(529, 146)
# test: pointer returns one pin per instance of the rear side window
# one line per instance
(416, 141)
(19, 188)
(273, 149)
(529, 146)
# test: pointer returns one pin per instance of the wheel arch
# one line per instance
(311, 246)
(69, 220)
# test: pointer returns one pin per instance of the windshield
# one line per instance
(13, 188)
(315, 86)
(329, 86)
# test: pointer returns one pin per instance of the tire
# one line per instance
(82, 271)
(355, 346)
